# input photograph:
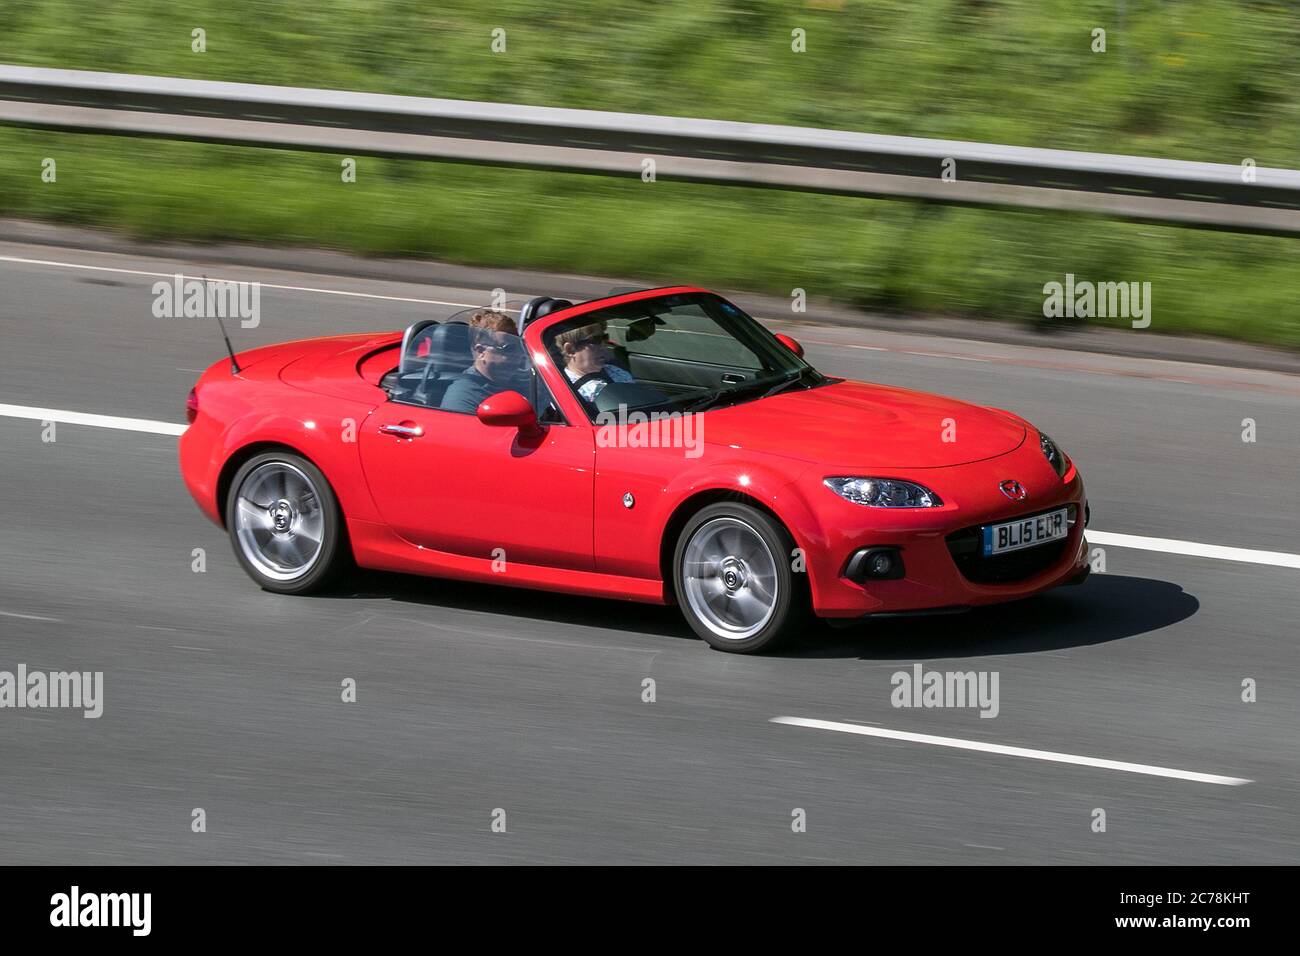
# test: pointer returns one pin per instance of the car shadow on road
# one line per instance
(524, 603)
(1107, 607)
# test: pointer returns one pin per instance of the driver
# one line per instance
(500, 364)
(587, 360)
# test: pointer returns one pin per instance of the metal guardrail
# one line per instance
(1207, 195)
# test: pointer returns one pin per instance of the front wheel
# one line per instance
(734, 579)
(285, 524)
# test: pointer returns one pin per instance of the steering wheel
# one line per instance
(590, 377)
(422, 392)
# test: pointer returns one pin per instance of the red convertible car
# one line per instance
(657, 446)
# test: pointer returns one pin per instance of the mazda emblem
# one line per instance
(1013, 489)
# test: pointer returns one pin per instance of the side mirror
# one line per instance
(790, 343)
(509, 410)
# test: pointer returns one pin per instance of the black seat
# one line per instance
(551, 305)
(447, 358)
(449, 349)
(436, 389)
(528, 312)
(534, 309)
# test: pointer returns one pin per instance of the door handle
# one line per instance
(402, 431)
(732, 378)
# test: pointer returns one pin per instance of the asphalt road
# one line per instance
(471, 698)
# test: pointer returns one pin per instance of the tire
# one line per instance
(733, 579)
(285, 524)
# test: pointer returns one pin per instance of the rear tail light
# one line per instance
(192, 406)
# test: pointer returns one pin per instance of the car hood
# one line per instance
(857, 425)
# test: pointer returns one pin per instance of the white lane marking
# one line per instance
(97, 421)
(847, 345)
(942, 355)
(879, 348)
(28, 617)
(1278, 559)
(959, 744)
(264, 285)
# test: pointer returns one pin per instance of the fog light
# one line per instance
(876, 564)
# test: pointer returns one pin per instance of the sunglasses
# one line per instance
(501, 348)
(600, 338)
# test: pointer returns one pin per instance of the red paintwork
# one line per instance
(790, 343)
(510, 410)
(441, 504)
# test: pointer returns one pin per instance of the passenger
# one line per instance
(500, 363)
(587, 360)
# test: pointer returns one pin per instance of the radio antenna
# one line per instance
(234, 365)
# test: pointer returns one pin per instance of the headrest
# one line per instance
(529, 311)
(449, 347)
(549, 306)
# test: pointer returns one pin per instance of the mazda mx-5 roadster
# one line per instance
(657, 446)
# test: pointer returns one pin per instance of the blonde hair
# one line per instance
(575, 335)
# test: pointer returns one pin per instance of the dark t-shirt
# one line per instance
(464, 394)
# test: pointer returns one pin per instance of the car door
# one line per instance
(446, 481)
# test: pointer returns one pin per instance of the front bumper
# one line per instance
(942, 565)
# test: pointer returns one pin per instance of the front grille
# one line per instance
(966, 548)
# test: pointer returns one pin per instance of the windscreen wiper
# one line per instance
(792, 378)
(764, 387)
(710, 401)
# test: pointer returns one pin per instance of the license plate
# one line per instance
(1025, 532)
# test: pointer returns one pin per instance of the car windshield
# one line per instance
(685, 352)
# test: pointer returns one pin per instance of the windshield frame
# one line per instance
(779, 363)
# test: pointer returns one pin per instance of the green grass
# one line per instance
(1202, 79)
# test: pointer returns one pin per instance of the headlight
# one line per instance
(1055, 457)
(884, 492)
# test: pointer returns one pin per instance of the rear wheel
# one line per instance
(285, 524)
(734, 580)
